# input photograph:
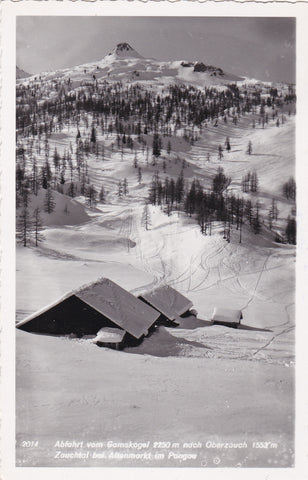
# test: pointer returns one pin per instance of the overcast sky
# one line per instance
(262, 48)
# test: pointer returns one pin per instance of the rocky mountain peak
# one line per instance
(124, 47)
(125, 50)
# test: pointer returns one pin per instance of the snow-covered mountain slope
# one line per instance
(93, 126)
(126, 64)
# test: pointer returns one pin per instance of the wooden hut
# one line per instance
(168, 301)
(87, 310)
(227, 317)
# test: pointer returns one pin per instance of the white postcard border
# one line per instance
(122, 8)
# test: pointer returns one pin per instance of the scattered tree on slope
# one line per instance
(37, 226)
(291, 230)
(49, 202)
(289, 189)
(146, 218)
(24, 227)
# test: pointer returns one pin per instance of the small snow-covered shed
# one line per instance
(110, 337)
(226, 316)
(168, 301)
(86, 310)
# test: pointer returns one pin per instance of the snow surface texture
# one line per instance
(197, 382)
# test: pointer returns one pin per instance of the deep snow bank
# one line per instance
(72, 390)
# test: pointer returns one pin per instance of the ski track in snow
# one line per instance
(159, 255)
(257, 283)
(208, 380)
(171, 251)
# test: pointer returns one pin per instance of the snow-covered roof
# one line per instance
(115, 303)
(168, 301)
(109, 335)
(120, 306)
(226, 315)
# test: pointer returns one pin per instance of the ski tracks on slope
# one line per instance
(204, 264)
(147, 260)
(263, 268)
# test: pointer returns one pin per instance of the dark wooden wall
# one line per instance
(70, 316)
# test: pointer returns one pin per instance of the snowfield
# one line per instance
(77, 391)
(199, 384)
(194, 383)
